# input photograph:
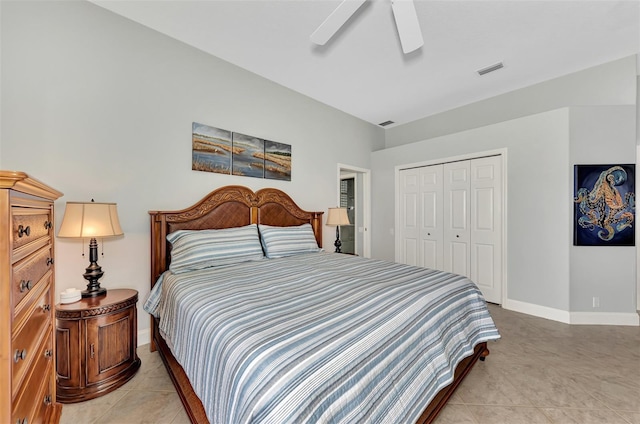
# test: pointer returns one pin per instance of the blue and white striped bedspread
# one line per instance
(319, 338)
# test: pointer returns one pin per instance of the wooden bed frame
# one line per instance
(235, 206)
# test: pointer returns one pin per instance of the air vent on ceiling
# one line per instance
(490, 68)
(385, 123)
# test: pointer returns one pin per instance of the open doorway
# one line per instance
(348, 201)
(354, 195)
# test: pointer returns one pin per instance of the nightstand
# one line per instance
(96, 340)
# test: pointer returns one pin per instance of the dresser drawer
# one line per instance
(31, 338)
(24, 309)
(36, 395)
(29, 272)
(30, 224)
(44, 402)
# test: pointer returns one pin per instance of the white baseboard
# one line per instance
(144, 337)
(605, 318)
(537, 310)
(578, 318)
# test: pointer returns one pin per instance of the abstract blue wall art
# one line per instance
(604, 205)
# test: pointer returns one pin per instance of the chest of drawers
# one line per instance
(27, 296)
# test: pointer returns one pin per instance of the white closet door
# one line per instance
(408, 222)
(431, 218)
(486, 226)
(451, 219)
(456, 218)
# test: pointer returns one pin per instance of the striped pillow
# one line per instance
(197, 249)
(286, 241)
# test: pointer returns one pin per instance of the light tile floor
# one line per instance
(540, 371)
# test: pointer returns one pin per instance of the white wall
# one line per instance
(100, 107)
(537, 182)
(603, 135)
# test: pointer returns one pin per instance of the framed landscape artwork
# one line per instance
(227, 152)
(211, 149)
(604, 205)
(248, 156)
(277, 158)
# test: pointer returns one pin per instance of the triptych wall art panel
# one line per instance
(604, 205)
(226, 152)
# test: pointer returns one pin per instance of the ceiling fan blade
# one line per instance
(334, 22)
(404, 12)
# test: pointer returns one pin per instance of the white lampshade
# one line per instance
(338, 216)
(90, 220)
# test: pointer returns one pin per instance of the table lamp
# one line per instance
(91, 220)
(338, 217)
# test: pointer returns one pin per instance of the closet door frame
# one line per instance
(442, 160)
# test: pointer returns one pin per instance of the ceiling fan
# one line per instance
(404, 12)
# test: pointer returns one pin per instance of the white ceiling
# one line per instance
(362, 70)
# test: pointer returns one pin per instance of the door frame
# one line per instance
(362, 175)
(344, 175)
(467, 156)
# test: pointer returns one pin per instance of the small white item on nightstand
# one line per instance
(70, 295)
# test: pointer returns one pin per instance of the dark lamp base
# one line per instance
(94, 293)
(338, 243)
(93, 273)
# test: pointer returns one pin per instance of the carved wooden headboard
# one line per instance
(226, 207)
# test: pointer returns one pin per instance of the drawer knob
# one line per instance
(24, 231)
(48, 353)
(22, 421)
(46, 308)
(47, 400)
(48, 225)
(49, 261)
(19, 354)
(25, 285)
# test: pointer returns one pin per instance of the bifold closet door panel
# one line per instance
(457, 234)
(486, 226)
(408, 210)
(431, 217)
(421, 217)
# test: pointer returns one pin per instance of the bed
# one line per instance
(292, 337)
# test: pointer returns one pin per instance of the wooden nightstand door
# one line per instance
(109, 345)
(68, 349)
